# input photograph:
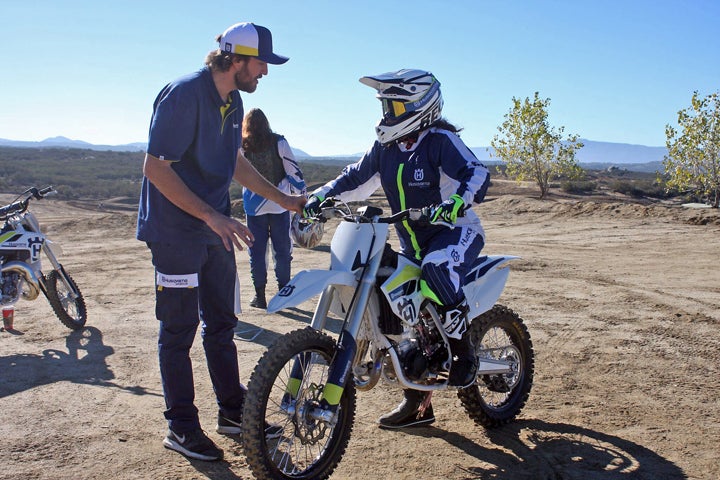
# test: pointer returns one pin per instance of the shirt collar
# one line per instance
(403, 145)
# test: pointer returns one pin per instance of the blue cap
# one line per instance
(251, 40)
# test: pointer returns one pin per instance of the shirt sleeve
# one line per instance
(467, 176)
(173, 125)
(357, 181)
(293, 173)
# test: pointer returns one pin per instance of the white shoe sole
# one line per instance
(179, 448)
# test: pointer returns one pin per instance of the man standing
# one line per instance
(184, 217)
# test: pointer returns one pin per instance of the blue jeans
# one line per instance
(276, 228)
(196, 283)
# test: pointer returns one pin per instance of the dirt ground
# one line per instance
(622, 301)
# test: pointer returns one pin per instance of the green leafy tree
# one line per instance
(693, 160)
(532, 149)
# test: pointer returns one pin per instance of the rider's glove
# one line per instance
(449, 210)
(312, 206)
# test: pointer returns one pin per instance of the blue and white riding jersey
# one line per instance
(435, 167)
(293, 183)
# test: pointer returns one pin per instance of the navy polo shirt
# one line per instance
(200, 133)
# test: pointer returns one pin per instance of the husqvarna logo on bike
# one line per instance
(35, 245)
(419, 174)
(286, 291)
(407, 309)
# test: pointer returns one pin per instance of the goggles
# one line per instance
(394, 110)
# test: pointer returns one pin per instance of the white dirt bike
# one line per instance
(21, 244)
(306, 381)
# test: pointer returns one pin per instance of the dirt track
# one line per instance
(621, 300)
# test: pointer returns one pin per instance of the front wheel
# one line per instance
(281, 439)
(494, 400)
(66, 300)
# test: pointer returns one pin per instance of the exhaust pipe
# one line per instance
(33, 286)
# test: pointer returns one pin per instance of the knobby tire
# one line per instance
(71, 311)
(306, 449)
(495, 400)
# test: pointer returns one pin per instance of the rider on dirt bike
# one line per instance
(420, 161)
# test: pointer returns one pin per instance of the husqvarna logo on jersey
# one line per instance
(419, 174)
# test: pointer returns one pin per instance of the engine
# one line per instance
(421, 352)
(9, 282)
(413, 361)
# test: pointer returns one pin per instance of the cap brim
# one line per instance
(273, 59)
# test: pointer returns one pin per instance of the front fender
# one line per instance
(306, 284)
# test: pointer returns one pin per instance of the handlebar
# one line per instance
(370, 214)
(19, 206)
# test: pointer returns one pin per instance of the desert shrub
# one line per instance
(639, 189)
(578, 187)
(75, 173)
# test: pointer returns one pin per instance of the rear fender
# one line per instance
(486, 282)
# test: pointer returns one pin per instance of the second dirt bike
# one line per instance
(21, 244)
(306, 382)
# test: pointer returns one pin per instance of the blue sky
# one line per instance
(614, 70)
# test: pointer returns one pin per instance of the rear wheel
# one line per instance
(494, 400)
(66, 300)
(286, 384)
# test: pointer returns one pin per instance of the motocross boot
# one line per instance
(259, 300)
(411, 412)
(464, 366)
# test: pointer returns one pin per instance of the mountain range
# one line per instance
(593, 152)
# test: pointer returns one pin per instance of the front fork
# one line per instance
(62, 276)
(338, 376)
(339, 372)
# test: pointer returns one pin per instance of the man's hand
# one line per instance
(231, 231)
(161, 174)
(449, 210)
(294, 203)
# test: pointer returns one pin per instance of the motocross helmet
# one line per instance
(411, 101)
(304, 233)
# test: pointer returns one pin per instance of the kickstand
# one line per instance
(253, 333)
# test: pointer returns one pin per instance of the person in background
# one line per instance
(272, 156)
(420, 161)
(193, 154)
